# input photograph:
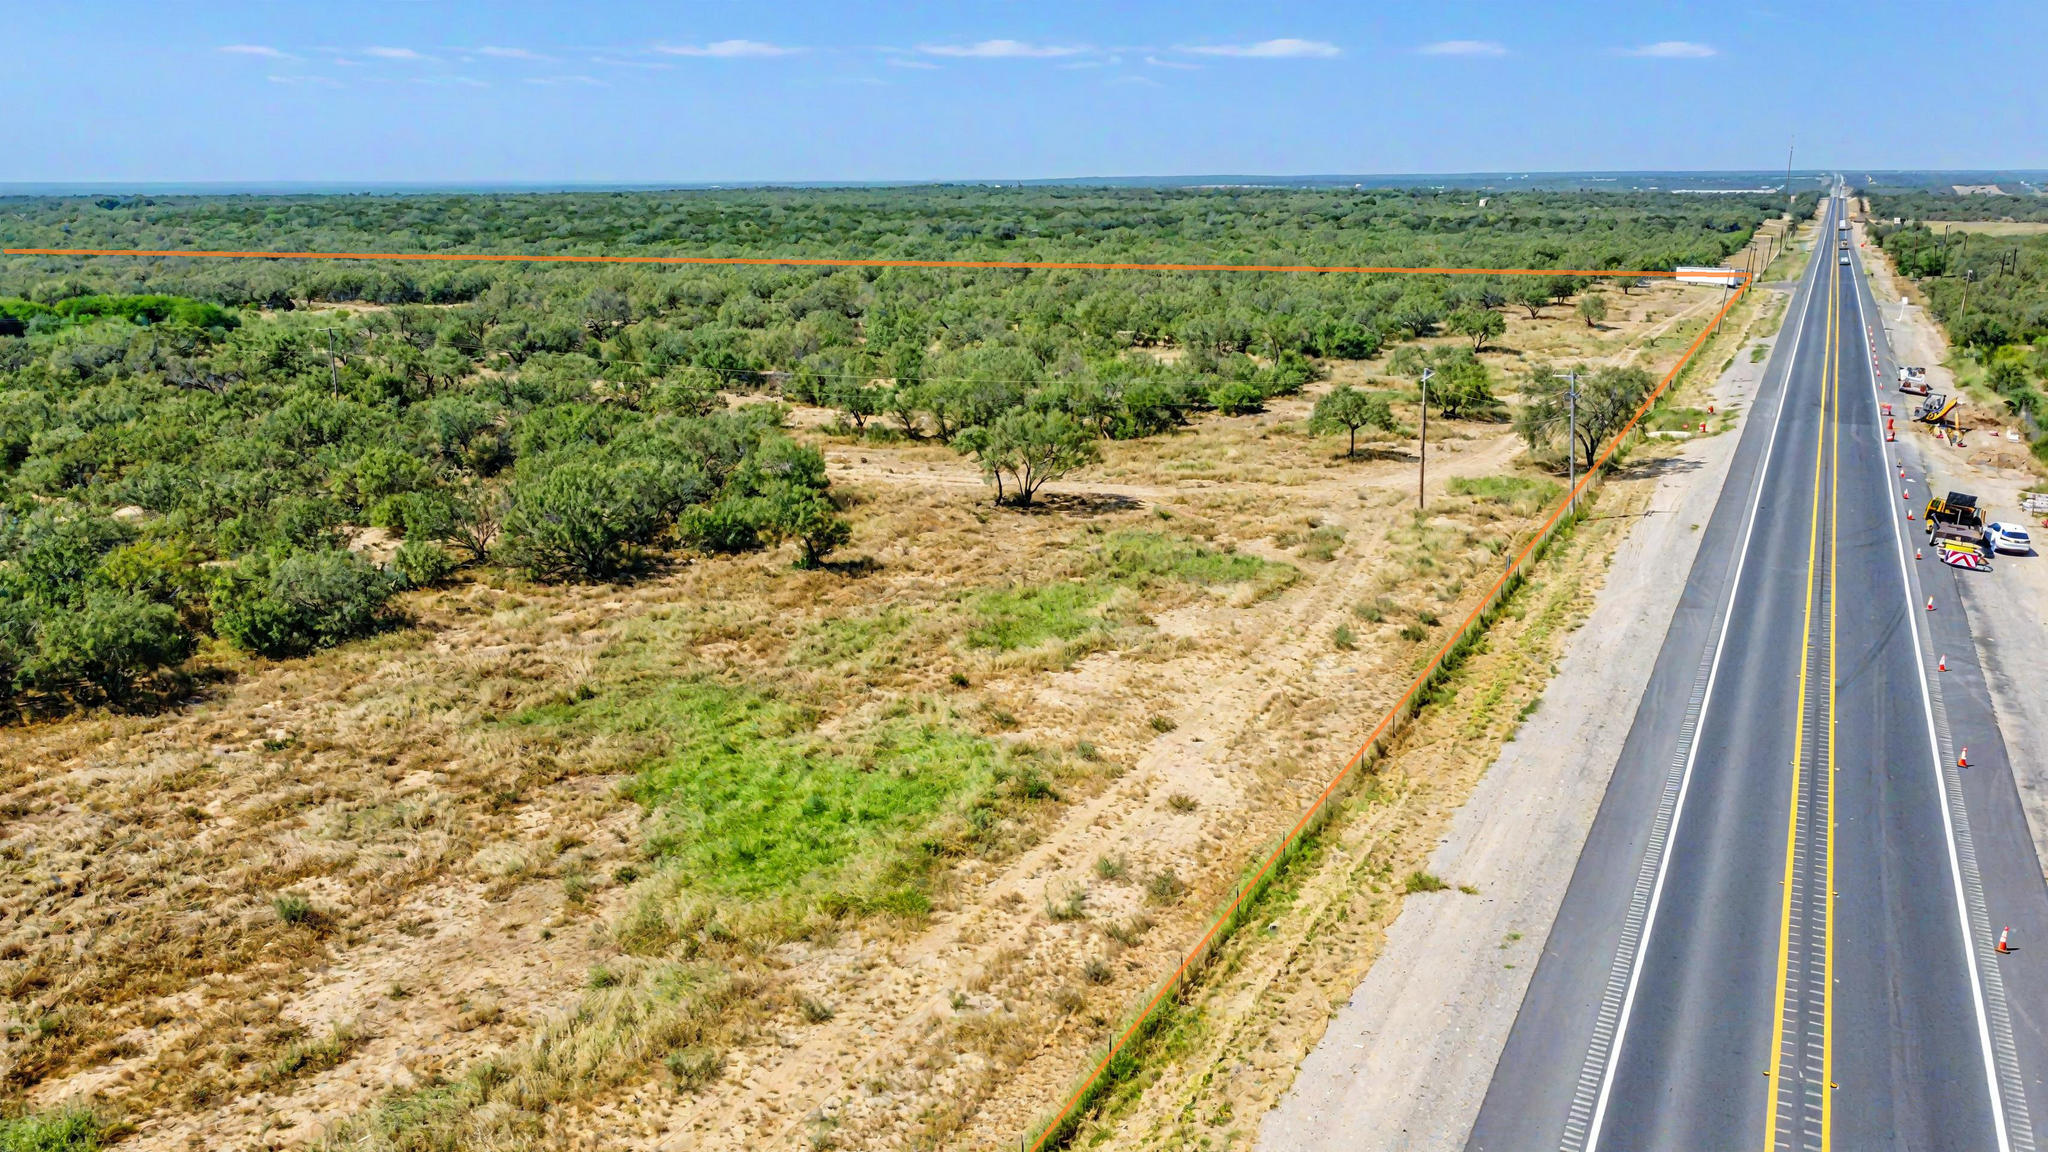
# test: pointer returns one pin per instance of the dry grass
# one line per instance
(446, 884)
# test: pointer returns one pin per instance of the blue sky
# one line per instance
(818, 90)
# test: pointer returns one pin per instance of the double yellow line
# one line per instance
(1830, 395)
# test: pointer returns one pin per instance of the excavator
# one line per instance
(1935, 408)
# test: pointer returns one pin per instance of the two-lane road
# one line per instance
(1775, 936)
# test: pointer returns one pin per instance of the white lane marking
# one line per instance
(1955, 868)
(1635, 973)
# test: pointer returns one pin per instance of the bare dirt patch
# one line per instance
(346, 882)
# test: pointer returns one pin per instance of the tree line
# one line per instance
(188, 455)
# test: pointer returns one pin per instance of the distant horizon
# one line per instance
(1472, 180)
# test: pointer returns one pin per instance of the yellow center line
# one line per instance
(1827, 1035)
(1798, 745)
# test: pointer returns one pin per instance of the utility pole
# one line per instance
(1571, 443)
(333, 367)
(1422, 467)
(1791, 201)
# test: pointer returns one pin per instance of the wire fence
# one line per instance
(1117, 1060)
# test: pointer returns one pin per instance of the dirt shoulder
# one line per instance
(2008, 608)
(334, 884)
(1437, 882)
(1427, 1024)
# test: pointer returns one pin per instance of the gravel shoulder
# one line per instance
(1422, 1032)
(2008, 608)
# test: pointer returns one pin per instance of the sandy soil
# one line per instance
(464, 879)
(1428, 1022)
(1444, 971)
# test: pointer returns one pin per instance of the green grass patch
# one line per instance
(1139, 557)
(1527, 495)
(71, 1130)
(1013, 618)
(850, 639)
(749, 801)
(1008, 619)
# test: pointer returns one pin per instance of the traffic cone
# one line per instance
(1916, 553)
(1890, 437)
(1703, 425)
(1905, 495)
(1930, 603)
(1943, 666)
(1963, 758)
(2004, 934)
(1909, 513)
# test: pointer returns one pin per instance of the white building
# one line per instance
(1708, 274)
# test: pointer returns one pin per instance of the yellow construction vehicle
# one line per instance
(1935, 408)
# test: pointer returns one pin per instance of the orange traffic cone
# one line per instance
(1930, 603)
(1909, 513)
(1905, 495)
(1943, 666)
(2004, 934)
(1703, 425)
(1890, 437)
(1916, 553)
(1963, 758)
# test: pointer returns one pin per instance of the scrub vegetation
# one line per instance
(1990, 295)
(470, 706)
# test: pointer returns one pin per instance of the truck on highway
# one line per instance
(1955, 530)
(1913, 378)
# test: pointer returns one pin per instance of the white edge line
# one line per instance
(1635, 974)
(1955, 868)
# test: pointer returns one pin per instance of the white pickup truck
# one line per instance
(1913, 379)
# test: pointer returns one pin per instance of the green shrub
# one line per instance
(70, 1130)
(578, 519)
(1238, 398)
(305, 601)
(422, 563)
(728, 526)
(108, 642)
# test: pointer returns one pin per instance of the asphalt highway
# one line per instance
(1781, 931)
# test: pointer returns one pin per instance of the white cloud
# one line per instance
(263, 50)
(450, 81)
(1269, 49)
(1464, 48)
(615, 62)
(1673, 50)
(903, 62)
(510, 53)
(1002, 50)
(394, 54)
(305, 81)
(586, 81)
(1156, 62)
(727, 49)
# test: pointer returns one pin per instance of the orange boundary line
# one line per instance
(1293, 834)
(1743, 282)
(1026, 265)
